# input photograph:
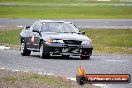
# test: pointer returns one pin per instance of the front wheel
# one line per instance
(24, 51)
(43, 54)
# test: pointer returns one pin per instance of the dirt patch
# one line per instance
(11, 79)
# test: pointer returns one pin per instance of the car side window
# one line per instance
(36, 25)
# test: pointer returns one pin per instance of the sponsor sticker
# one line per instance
(83, 78)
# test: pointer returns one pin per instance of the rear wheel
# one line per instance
(24, 51)
(43, 54)
(85, 57)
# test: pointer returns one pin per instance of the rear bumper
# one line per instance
(69, 49)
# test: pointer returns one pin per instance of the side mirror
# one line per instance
(36, 30)
(26, 27)
(83, 32)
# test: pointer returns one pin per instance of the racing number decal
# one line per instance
(32, 39)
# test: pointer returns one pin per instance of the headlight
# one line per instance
(87, 42)
(55, 41)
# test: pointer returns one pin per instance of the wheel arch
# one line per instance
(21, 40)
(41, 40)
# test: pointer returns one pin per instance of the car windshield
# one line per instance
(59, 27)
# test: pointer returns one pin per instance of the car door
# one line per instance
(35, 36)
(26, 36)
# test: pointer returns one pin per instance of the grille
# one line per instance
(72, 42)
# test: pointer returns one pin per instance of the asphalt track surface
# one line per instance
(42, 4)
(98, 64)
(83, 23)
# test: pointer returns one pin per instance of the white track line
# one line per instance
(2, 68)
(4, 48)
(20, 26)
(15, 70)
(40, 73)
(101, 85)
(73, 79)
(117, 60)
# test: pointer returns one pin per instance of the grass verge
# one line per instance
(109, 41)
(10, 37)
(9, 79)
(44, 9)
(63, 2)
(96, 12)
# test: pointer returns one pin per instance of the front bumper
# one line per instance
(68, 49)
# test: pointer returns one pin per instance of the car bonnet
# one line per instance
(67, 36)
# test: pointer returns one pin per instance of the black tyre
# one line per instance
(43, 54)
(85, 57)
(24, 51)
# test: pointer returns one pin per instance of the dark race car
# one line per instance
(55, 38)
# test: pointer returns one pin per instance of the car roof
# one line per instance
(45, 21)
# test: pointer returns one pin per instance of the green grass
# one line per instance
(45, 80)
(110, 41)
(9, 37)
(117, 41)
(40, 9)
(45, 12)
(49, 80)
(39, 80)
(64, 1)
(11, 79)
